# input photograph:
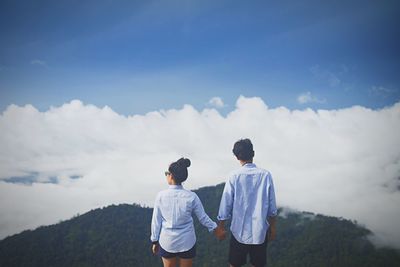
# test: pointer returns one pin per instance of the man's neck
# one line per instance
(243, 162)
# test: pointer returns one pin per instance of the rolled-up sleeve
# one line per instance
(204, 219)
(156, 221)
(272, 210)
(225, 207)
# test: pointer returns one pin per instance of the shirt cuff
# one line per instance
(273, 214)
(222, 218)
(213, 228)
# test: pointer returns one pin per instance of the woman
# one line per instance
(172, 230)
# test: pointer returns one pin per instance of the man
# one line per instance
(249, 201)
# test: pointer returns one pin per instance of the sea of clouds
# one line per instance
(70, 159)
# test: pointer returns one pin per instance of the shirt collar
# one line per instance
(249, 165)
(175, 186)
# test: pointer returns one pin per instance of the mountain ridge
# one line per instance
(118, 235)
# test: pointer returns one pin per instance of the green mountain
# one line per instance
(119, 236)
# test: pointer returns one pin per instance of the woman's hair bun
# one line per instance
(184, 162)
(179, 170)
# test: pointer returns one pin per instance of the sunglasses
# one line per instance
(167, 173)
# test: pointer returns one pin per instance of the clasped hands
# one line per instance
(220, 233)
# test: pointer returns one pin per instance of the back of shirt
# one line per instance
(172, 222)
(248, 199)
(176, 208)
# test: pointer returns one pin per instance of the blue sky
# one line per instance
(140, 56)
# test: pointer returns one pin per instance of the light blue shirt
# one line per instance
(248, 199)
(172, 222)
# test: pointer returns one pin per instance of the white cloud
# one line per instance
(307, 97)
(338, 162)
(327, 76)
(38, 62)
(382, 91)
(216, 102)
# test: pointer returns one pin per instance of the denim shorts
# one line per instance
(189, 254)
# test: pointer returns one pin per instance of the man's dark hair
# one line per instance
(243, 150)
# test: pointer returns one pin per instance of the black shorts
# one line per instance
(238, 253)
(189, 254)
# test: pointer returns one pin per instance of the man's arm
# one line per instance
(226, 204)
(272, 228)
(225, 210)
(272, 211)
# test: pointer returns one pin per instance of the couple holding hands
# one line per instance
(248, 200)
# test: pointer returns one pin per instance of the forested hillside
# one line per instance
(119, 236)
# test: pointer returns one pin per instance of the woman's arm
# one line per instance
(202, 215)
(156, 222)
